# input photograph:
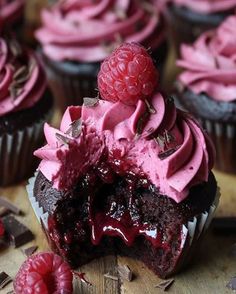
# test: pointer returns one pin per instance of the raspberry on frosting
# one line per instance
(127, 75)
(210, 64)
(88, 31)
(44, 273)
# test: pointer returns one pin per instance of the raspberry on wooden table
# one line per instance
(44, 273)
(127, 75)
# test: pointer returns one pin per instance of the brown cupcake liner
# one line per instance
(192, 231)
(16, 153)
(70, 83)
(223, 135)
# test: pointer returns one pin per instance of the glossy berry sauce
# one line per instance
(108, 201)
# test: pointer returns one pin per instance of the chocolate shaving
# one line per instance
(30, 250)
(232, 284)
(9, 206)
(10, 292)
(5, 279)
(110, 276)
(21, 72)
(160, 140)
(150, 107)
(168, 137)
(75, 128)
(125, 272)
(165, 285)
(63, 139)
(90, 102)
(165, 154)
(15, 47)
(141, 123)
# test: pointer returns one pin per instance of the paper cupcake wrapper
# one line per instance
(223, 136)
(16, 153)
(70, 88)
(192, 231)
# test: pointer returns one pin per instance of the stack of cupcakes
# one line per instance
(207, 87)
(77, 35)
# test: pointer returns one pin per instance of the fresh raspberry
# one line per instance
(2, 229)
(127, 75)
(44, 273)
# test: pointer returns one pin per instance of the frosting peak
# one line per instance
(207, 6)
(210, 63)
(87, 31)
(165, 145)
(22, 80)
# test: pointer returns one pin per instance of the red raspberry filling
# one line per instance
(127, 75)
(44, 273)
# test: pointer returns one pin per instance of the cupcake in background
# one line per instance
(24, 106)
(12, 15)
(207, 88)
(190, 18)
(77, 35)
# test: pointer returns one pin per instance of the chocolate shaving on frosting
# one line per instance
(63, 139)
(165, 285)
(90, 102)
(75, 128)
(110, 276)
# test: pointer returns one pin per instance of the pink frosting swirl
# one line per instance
(207, 6)
(88, 30)
(22, 80)
(210, 63)
(10, 11)
(171, 150)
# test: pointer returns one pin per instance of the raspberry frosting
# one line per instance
(174, 167)
(88, 31)
(207, 6)
(22, 80)
(210, 63)
(10, 10)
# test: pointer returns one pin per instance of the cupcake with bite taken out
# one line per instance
(190, 18)
(127, 174)
(207, 88)
(24, 107)
(76, 36)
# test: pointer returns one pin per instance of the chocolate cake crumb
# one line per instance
(125, 272)
(6, 205)
(30, 250)
(232, 284)
(110, 276)
(165, 285)
(62, 139)
(5, 279)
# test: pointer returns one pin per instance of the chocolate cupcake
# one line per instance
(12, 15)
(207, 88)
(190, 18)
(76, 36)
(125, 178)
(24, 107)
